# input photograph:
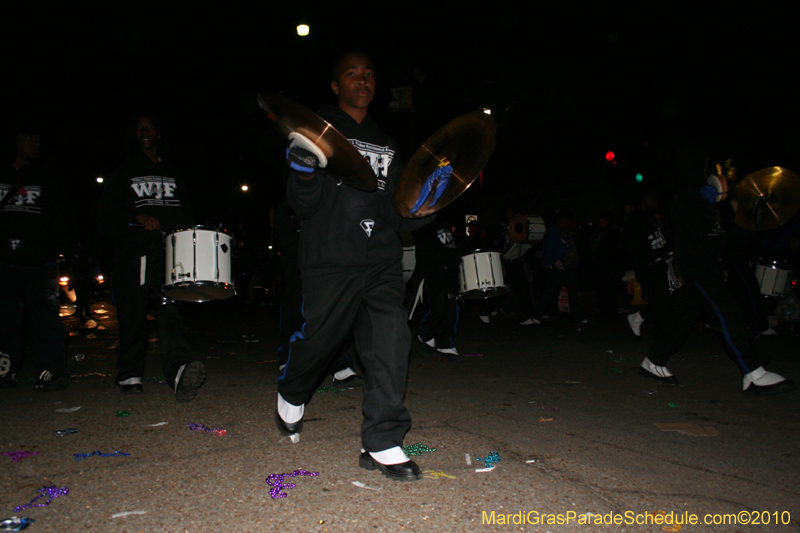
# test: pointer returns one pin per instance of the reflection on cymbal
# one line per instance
(767, 198)
(464, 144)
(344, 161)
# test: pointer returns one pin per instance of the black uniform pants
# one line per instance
(132, 298)
(655, 283)
(370, 303)
(291, 317)
(32, 292)
(712, 299)
(440, 322)
(555, 279)
(521, 288)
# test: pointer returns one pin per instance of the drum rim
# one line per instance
(778, 265)
(483, 294)
(200, 227)
(481, 251)
(200, 284)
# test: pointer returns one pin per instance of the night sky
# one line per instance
(566, 84)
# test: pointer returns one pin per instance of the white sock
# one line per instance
(290, 413)
(344, 374)
(392, 456)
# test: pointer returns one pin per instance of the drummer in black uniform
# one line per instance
(145, 194)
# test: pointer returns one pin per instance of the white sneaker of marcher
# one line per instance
(768, 332)
(761, 378)
(342, 375)
(449, 351)
(429, 342)
(484, 319)
(530, 322)
(660, 371)
(635, 321)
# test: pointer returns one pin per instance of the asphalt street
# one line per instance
(578, 435)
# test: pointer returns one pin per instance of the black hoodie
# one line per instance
(141, 186)
(37, 222)
(344, 228)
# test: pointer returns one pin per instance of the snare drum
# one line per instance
(481, 275)
(198, 265)
(775, 278)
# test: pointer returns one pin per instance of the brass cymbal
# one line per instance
(464, 144)
(518, 228)
(767, 198)
(344, 161)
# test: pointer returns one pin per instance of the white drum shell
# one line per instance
(408, 262)
(199, 264)
(481, 275)
(774, 278)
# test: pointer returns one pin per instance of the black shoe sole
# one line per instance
(287, 430)
(52, 386)
(671, 381)
(366, 462)
(193, 376)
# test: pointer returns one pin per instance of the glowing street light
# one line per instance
(487, 110)
(99, 179)
(302, 30)
(244, 188)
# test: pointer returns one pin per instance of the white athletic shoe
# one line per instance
(760, 381)
(658, 373)
(635, 321)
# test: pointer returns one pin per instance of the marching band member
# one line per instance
(145, 193)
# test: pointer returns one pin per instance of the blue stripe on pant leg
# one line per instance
(725, 333)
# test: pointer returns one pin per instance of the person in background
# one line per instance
(37, 225)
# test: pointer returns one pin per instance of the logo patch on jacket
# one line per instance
(367, 226)
(155, 190)
(14, 243)
(378, 157)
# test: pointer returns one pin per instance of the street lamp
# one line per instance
(302, 30)
(99, 179)
(244, 188)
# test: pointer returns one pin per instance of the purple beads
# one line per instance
(276, 482)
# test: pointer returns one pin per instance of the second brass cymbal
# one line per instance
(344, 161)
(463, 145)
(767, 198)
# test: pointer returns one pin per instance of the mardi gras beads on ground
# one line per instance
(490, 460)
(15, 523)
(51, 491)
(83, 456)
(326, 389)
(19, 455)
(219, 432)
(276, 482)
(417, 449)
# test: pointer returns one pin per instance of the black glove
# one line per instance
(302, 160)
